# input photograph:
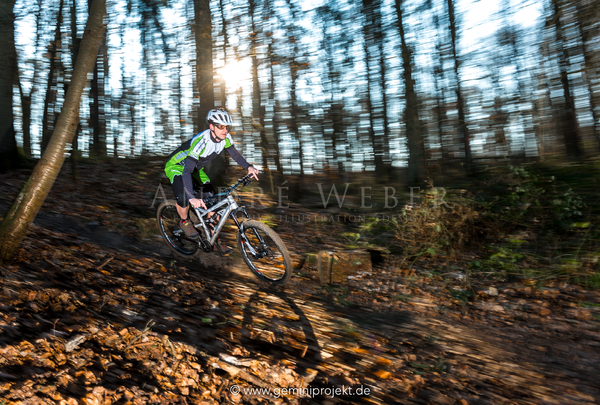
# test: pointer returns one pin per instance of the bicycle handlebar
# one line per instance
(209, 201)
(244, 180)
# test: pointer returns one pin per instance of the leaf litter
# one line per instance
(87, 319)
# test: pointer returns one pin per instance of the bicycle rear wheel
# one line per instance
(264, 252)
(168, 223)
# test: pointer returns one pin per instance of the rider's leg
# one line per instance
(183, 207)
(183, 212)
(182, 201)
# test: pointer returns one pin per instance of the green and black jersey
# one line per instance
(196, 153)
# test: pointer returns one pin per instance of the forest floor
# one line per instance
(96, 310)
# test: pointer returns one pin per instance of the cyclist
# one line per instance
(186, 165)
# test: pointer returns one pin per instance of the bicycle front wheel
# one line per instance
(168, 223)
(264, 252)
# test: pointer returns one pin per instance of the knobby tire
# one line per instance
(168, 224)
(272, 262)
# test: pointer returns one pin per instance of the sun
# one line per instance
(236, 72)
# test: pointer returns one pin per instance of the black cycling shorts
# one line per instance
(200, 191)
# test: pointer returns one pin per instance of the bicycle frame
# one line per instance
(226, 208)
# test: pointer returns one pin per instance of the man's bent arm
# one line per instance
(237, 156)
(188, 184)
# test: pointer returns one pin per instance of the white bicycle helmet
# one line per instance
(219, 116)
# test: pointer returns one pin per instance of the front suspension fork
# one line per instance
(240, 226)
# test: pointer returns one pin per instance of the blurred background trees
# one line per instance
(347, 86)
(8, 62)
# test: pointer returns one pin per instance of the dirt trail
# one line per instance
(408, 356)
(88, 313)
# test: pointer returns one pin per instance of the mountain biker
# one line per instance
(186, 165)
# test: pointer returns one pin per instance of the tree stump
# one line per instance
(336, 267)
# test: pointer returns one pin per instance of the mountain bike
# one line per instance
(261, 247)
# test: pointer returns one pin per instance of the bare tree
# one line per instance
(568, 122)
(372, 47)
(204, 59)
(463, 129)
(416, 150)
(32, 196)
(225, 46)
(51, 86)
(335, 109)
(76, 41)
(26, 97)
(274, 60)
(584, 26)
(99, 102)
(295, 68)
(440, 99)
(258, 110)
(9, 155)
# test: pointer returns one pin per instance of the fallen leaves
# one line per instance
(83, 323)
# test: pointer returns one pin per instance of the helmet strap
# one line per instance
(213, 136)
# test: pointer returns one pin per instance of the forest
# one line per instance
(431, 167)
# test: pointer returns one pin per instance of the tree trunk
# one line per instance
(49, 107)
(369, 28)
(440, 105)
(258, 110)
(383, 84)
(99, 102)
(21, 215)
(271, 101)
(275, 122)
(379, 36)
(9, 155)
(416, 155)
(568, 122)
(463, 130)
(204, 60)
(334, 115)
(589, 66)
(26, 99)
(225, 46)
(368, 105)
(440, 93)
(294, 67)
(74, 53)
(26, 117)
